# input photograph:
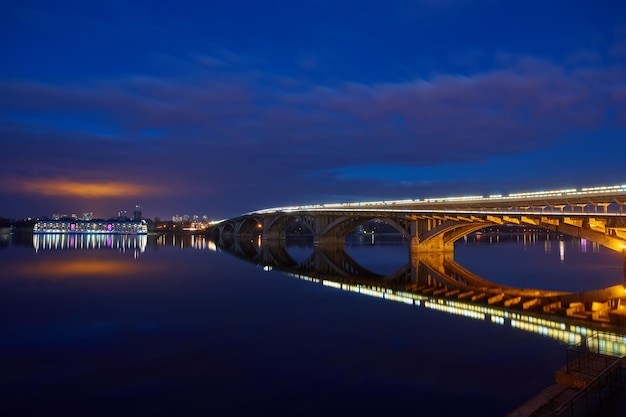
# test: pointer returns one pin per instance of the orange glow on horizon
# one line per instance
(86, 189)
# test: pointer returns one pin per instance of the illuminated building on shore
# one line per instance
(91, 226)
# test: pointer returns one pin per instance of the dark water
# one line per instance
(169, 327)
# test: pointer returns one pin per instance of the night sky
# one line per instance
(220, 108)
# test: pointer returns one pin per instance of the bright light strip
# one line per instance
(607, 343)
(500, 197)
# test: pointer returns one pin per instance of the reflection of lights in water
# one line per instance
(547, 246)
(143, 242)
(606, 343)
(258, 241)
(583, 245)
(59, 241)
(190, 241)
(562, 250)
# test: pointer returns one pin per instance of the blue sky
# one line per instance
(219, 108)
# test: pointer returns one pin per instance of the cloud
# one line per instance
(531, 101)
(73, 188)
(239, 133)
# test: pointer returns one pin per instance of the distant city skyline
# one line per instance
(136, 215)
(230, 107)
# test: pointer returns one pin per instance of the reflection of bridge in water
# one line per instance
(436, 281)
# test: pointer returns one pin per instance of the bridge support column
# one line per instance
(435, 243)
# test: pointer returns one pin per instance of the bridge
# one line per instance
(432, 279)
(597, 214)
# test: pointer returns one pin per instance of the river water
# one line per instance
(175, 326)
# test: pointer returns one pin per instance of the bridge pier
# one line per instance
(435, 243)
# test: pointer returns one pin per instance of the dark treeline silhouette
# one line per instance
(18, 224)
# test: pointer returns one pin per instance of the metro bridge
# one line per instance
(597, 214)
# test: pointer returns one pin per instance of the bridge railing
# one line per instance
(595, 394)
(587, 358)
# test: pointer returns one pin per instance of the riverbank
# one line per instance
(563, 396)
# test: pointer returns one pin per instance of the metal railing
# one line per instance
(609, 378)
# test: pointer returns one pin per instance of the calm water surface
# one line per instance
(166, 326)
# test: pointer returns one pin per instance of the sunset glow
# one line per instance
(84, 189)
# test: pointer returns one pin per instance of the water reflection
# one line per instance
(436, 281)
(87, 267)
(59, 241)
(186, 241)
(98, 331)
(432, 281)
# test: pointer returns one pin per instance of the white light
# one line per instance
(523, 195)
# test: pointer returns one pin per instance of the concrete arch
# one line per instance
(339, 228)
(228, 228)
(586, 228)
(600, 238)
(459, 232)
(443, 236)
(275, 226)
(249, 225)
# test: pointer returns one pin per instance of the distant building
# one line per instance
(137, 213)
(90, 226)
